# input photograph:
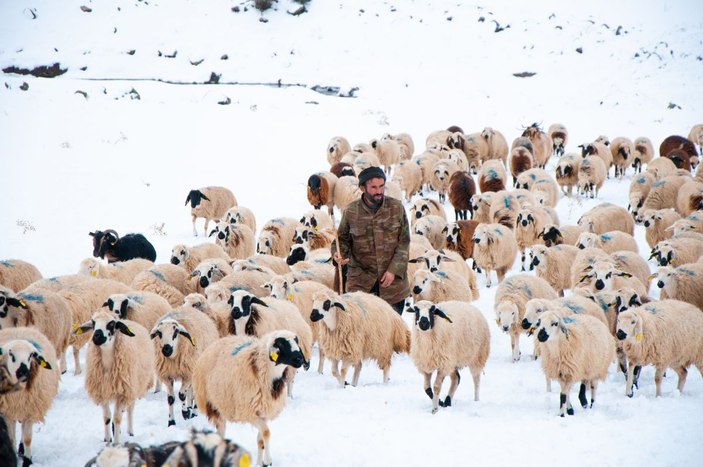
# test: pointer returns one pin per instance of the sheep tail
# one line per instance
(401, 337)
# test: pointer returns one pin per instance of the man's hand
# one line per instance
(386, 279)
(339, 260)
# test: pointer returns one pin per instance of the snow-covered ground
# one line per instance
(119, 139)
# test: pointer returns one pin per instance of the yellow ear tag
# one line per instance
(23, 303)
(638, 336)
(42, 364)
(290, 297)
(77, 329)
(274, 356)
(245, 460)
(498, 322)
(93, 273)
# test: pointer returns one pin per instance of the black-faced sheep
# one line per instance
(591, 176)
(358, 326)
(574, 348)
(657, 222)
(557, 235)
(461, 188)
(242, 379)
(109, 245)
(560, 136)
(336, 148)
(16, 274)
(623, 151)
(431, 227)
(210, 203)
(143, 307)
(447, 337)
(236, 240)
(529, 223)
(321, 190)
(317, 220)
(443, 261)
(459, 237)
(666, 334)
(439, 286)
(241, 215)
(494, 249)
(32, 371)
(677, 251)
(566, 172)
(188, 257)
(119, 368)
(644, 152)
(210, 271)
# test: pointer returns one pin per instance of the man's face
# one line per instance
(374, 189)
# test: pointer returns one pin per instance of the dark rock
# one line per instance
(24, 86)
(579, 50)
(40, 72)
(524, 74)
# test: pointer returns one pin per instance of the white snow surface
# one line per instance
(72, 162)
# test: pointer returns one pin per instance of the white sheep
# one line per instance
(336, 148)
(426, 161)
(623, 151)
(58, 283)
(409, 176)
(459, 158)
(475, 147)
(566, 172)
(317, 220)
(529, 223)
(241, 215)
(656, 223)
(644, 152)
(504, 208)
(666, 334)
(345, 191)
(259, 262)
(691, 223)
(497, 144)
(431, 227)
(242, 378)
(683, 283)
(439, 178)
(119, 368)
(639, 189)
(16, 274)
(677, 251)
(319, 270)
(121, 271)
(606, 275)
(425, 207)
(179, 338)
(358, 326)
(509, 304)
(210, 203)
(30, 365)
(560, 136)
(448, 260)
(591, 175)
(606, 217)
(663, 193)
(188, 257)
(553, 264)
(481, 205)
(447, 337)
(495, 249)
(276, 236)
(168, 280)
(609, 242)
(142, 307)
(598, 149)
(440, 286)
(250, 280)
(236, 240)
(574, 348)
(45, 310)
(541, 144)
(209, 271)
(388, 152)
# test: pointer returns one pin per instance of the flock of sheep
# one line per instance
(245, 311)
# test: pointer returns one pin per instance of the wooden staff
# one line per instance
(339, 263)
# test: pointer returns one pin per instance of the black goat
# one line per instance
(109, 244)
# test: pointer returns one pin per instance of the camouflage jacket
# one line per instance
(376, 243)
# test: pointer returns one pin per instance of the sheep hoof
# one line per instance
(630, 394)
(186, 414)
(569, 411)
(435, 409)
(447, 402)
(582, 396)
(429, 393)
(171, 423)
(26, 461)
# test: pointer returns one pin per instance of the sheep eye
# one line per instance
(608, 276)
(555, 325)
(110, 326)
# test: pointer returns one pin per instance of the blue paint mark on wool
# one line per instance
(8, 263)
(527, 290)
(642, 180)
(158, 275)
(497, 231)
(606, 237)
(441, 274)
(659, 183)
(506, 201)
(533, 176)
(277, 220)
(32, 298)
(651, 308)
(234, 288)
(573, 307)
(568, 320)
(136, 298)
(35, 344)
(241, 347)
(688, 272)
(492, 174)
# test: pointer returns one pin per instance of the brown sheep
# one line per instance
(521, 160)
(320, 190)
(680, 158)
(461, 188)
(673, 142)
(541, 142)
(491, 176)
(343, 169)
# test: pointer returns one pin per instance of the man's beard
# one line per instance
(372, 201)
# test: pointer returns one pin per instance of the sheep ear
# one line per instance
(340, 306)
(563, 329)
(419, 259)
(654, 275)
(17, 302)
(267, 285)
(624, 274)
(124, 329)
(154, 333)
(80, 329)
(187, 335)
(41, 361)
(584, 277)
(212, 232)
(442, 314)
(638, 329)
(258, 301)
(123, 309)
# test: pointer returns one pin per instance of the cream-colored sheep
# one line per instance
(497, 145)
(336, 148)
(431, 227)
(663, 194)
(426, 161)
(358, 326)
(241, 215)
(310, 245)
(644, 152)
(476, 149)
(459, 158)
(242, 378)
(121, 271)
(623, 151)
(179, 338)
(407, 145)
(424, 207)
(557, 235)
(33, 373)
(666, 334)
(605, 275)
(529, 223)
(84, 299)
(582, 265)
(632, 263)
(554, 265)
(495, 249)
(529, 178)
(236, 240)
(388, 152)
(639, 189)
(541, 144)
(677, 251)
(318, 270)
(661, 167)
(364, 161)
(447, 337)
(683, 283)
(321, 189)
(546, 192)
(575, 304)
(591, 176)
(210, 203)
(317, 220)
(439, 286)
(606, 217)
(691, 223)
(481, 205)
(609, 242)
(509, 304)
(689, 198)
(439, 178)
(657, 222)
(492, 176)
(168, 280)
(409, 176)
(600, 150)
(276, 236)
(696, 135)
(560, 136)
(443, 261)
(574, 348)
(208, 272)
(504, 208)
(45, 310)
(188, 257)
(16, 274)
(264, 263)
(119, 368)
(346, 190)
(58, 283)
(251, 281)
(566, 172)
(144, 308)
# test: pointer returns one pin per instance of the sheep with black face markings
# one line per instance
(494, 249)
(644, 152)
(623, 151)
(656, 224)
(447, 337)
(530, 221)
(509, 304)
(16, 274)
(431, 227)
(358, 326)
(439, 286)
(600, 150)
(189, 257)
(574, 348)
(481, 204)
(439, 178)
(683, 283)
(210, 203)
(144, 308)
(566, 172)
(119, 368)
(554, 265)
(179, 338)
(677, 251)
(560, 136)
(321, 190)
(609, 242)
(666, 334)
(388, 152)
(459, 237)
(591, 176)
(425, 207)
(31, 368)
(317, 220)
(336, 148)
(168, 280)
(560, 234)
(249, 280)
(241, 215)
(236, 240)
(276, 237)
(242, 378)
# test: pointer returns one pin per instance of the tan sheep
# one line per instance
(447, 337)
(582, 265)
(509, 304)
(666, 334)
(623, 151)
(557, 235)
(321, 189)
(431, 227)
(497, 145)
(644, 152)
(591, 176)
(689, 198)
(249, 280)
(574, 348)
(122, 271)
(560, 136)
(241, 215)
(657, 222)
(426, 161)
(554, 265)
(639, 189)
(208, 272)
(242, 378)
(606, 217)
(336, 148)
(210, 203)
(475, 148)
(45, 310)
(33, 373)
(425, 207)
(566, 172)
(409, 176)
(119, 368)
(439, 286)
(358, 326)
(364, 161)
(504, 208)
(388, 152)
(529, 223)
(663, 194)
(144, 308)
(443, 261)
(459, 237)
(459, 158)
(180, 337)
(263, 263)
(661, 167)
(691, 223)
(600, 150)
(605, 275)
(346, 190)
(58, 283)
(439, 178)
(318, 270)
(541, 143)
(276, 237)
(168, 280)
(317, 220)
(677, 251)
(481, 205)
(609, 242)
(189, 257)
(683, 283)
(16, 274)
(495, 249)
(236, 240)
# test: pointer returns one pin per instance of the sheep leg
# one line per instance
(564, 402)
(183, 393)
(25, 448)
(336, 373)
(522, 257)
(549, 384)
(594, 386)
(682, 372)
(630, 378)
(62, 360)
(11, 427)
(386, 371)
(488, 278)
(107, 421)
(357, 372)
(515, 345)
(263, 442)
(117, 421)
(321, 364)
(439, 379)
(343, 374)
(658, 375)
(476, 375)
(171, 401)
(426, 384)
(582, 395)
(195, 232)
(622, 358)
(454, 380)
(157, 384)
(191, 401)
(207, 222)
(76, 361)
